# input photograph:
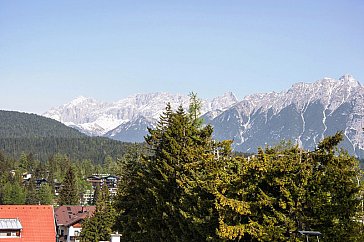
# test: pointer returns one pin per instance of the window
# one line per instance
(9, 233)
(11, 227)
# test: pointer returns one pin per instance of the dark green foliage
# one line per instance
(69, 194)
(194, 109)
(333, 192)
(96, 194)
(168, 196)
(262, 199)
(12, 191)
(98, 227)
(89, 231)
(32, 195)
(131, 199)
(284, 189)
(77, 148)
(43, 137)
(20, 125)
(45, 194)
(329, 144)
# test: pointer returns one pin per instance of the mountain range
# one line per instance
(303, 114)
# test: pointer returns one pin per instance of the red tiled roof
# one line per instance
(37, 222)
(69, 215)
(77, 225)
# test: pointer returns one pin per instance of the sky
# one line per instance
(54, 51)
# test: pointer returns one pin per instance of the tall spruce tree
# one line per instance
(31, 196)
(96, 194)
(132, 203)
(68, 194)
(45, 194)
(99, 226)
(175, 199)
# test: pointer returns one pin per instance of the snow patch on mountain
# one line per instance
(99, 118)
(304, 114)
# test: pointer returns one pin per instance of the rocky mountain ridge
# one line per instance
(304, 114)
(100, 118)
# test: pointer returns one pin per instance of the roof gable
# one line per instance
(37, 222)
(69, 215)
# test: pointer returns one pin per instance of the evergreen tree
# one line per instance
(31, 194)
(45, 194)
(194, 109)
(132, 202)
(96, 194)
(174, 199)
(89, 230)
(68, 194)
(333, 195)
(271, 196)
(13, 193)
(24, 163)
(261, 199)
(5, 175)
(105, 214)
(99, 226)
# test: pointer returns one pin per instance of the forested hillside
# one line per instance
(44, 137)
(20, 125)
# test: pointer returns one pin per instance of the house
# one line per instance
(112, 183)
(39, 182)
(69, 221)
(26, 176)
(100, 180)
(10, 228)
(57, 187)
(27, 223)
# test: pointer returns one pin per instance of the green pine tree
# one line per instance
(171, 188)
(96, 194)
(13, 193)
(45, 194)
(68, 194)
(132, 200)
(99, 226)
(31, 194)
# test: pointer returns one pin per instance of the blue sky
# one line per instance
(54, 51)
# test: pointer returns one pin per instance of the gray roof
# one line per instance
(10, 223)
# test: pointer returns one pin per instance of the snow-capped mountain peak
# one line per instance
(304, 114)
(224, 101)
(79, 100)
(97, 118)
